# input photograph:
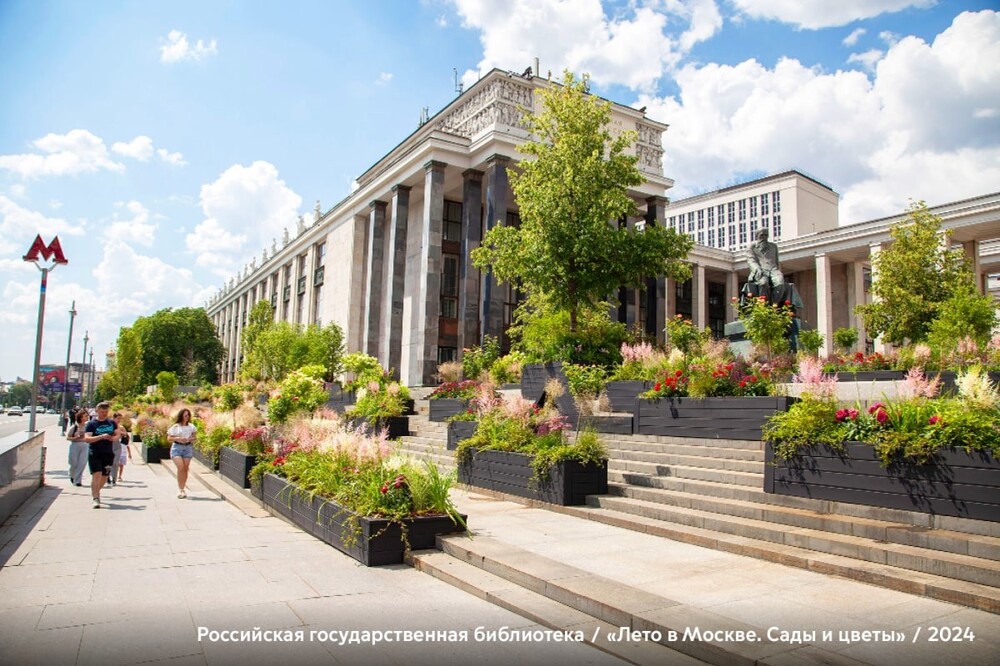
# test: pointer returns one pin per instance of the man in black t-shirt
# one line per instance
(101, 434)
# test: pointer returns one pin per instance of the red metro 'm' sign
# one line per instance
(54, 249)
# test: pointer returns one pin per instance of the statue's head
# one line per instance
(762, 234)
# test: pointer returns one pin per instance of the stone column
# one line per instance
(824, 303)
(873, 251)
(497, 194)
(856, 297)
(359, 280)
(699, 297)
(373, 283)
(971, 249)
(424, 339)
(656, 287)
(390, 346)
(732, 289)
(469, 277)
(669, 305)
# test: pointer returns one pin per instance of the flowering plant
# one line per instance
(463, 390)
(670, 385)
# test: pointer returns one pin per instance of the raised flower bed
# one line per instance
(442, 408)
(236, 465)
(954, 482)
(712, 418)
(371, 541)
(396, 426)
(459, 430)
(622, 394)
(208, 460)
(568, 482)
(152, 453)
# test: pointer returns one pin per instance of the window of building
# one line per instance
(764, 205)
(320, 256)
(732, 235)
(302, 265)
(300, 305)
(743, 209)
(743, 233)
(722, 236)
(449, 287)
(452, 230)
(701, 219)
(446, 354)
(691, 222)
(513, 219)
(701, 238)
(764, 224)
(711, 217)
(753, 207)
(711, 237)
(777, 227)
(753, 228)
(776, 201)
(672, 222)
(731, 212)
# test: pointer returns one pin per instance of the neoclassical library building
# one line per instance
(390, 263)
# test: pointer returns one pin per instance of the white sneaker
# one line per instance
(181, 495)
(97, 503)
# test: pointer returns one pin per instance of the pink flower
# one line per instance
(934, 420)
(384, 489)
(881, 416)
(852, 414)
(876, 407)
(841, 415)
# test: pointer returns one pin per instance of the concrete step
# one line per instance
(667, 458)
(749, 479)
(952, 565)
(723, 490)
(424, 442)
(609, 601)
(973, 595)
(541, 609)
(612, 440)
(614, 448)
(870, 528)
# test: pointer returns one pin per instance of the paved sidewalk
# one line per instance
(133, 582)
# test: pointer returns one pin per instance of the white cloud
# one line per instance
(868, 59)
(177, 48)
(852, 38)
(634, 50)
(176, 159)
(77, 151)
(383, 78)
(18, 190)
(244, 209)
(926, 126)
(815, 14)
(890, 38)
(19, 225)
(133, 229)
(139, 148)
(55, 204)
(442, 21)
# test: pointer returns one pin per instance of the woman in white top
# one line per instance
(79, 450)
(181, 437)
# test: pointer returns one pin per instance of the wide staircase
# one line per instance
(709, 493)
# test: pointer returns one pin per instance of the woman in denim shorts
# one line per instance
(181, 436)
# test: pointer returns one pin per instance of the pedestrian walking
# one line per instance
(117, 448)
(181, 437)
(125, 452)
(78, 448)
(101, 434)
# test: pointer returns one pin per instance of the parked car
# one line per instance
(15, 411)
(50, 411)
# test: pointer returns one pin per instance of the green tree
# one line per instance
(916, 275)
(181, 341)
(124, 373)
(570, 196)
(19, 394)
(260, 319)
(966, 314)
(166, 382)
(844, 339)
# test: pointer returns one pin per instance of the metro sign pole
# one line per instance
(51, 252)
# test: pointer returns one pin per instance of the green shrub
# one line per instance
(810, 340)
(844, 339)
(478, 360)
(584, 380)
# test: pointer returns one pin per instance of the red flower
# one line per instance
(841, 415)
(295, 398)
(658, 386)
(788, 302)
(934, 419)
(280, 460)
(743, 383)
(876, 407)
(678, 373)
(881, 416)
(384, 489)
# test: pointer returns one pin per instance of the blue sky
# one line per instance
(167, 143)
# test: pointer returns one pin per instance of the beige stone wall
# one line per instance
(342, 281)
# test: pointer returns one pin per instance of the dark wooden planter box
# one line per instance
(442, 408)
(379, 542)
(954, 483)
(340, 399)
(610, 425)
(534, 376)
(870, 375)
(712, 418)
(236, 466)
(948, 378)
(568, 483)
(398, 426)
(154, 454)
(206, 460)
(257, 489)
(459, 430)
(622, 395)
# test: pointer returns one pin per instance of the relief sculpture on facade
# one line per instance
(497, 102)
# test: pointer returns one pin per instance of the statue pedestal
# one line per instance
(736, 333)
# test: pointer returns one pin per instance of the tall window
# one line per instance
(764, 205)
(731, 212)
(701, 219)
(452, 230)
(743, 209)
(777, 227)
(672, 222)
(753, 207)
(317, 303)
(743, 233)
(711, 217)
(776, 201)
(449, 286)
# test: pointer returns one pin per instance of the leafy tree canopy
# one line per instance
(916, 276)
(571, 191)
(182, 341)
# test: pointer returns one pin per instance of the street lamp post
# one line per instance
(90, 398)
(69, 347)
(53, 251)
(83, 369)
